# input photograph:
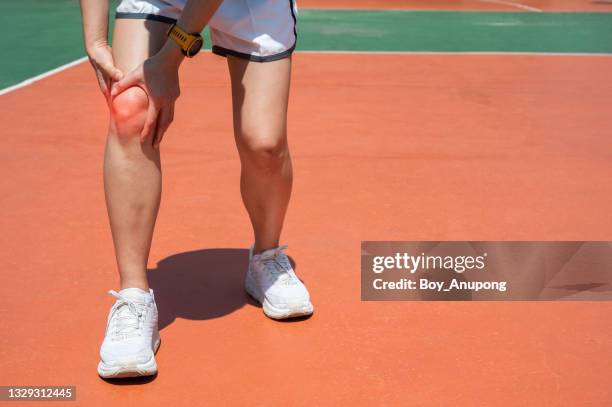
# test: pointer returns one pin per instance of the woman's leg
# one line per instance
(132, 186)
(260, 93)
(132, 170)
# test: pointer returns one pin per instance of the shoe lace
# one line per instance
(128, 317)
(278, 265)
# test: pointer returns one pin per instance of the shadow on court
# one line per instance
(200, 284)
(131, 381)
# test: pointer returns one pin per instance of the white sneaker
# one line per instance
(272, 281)
(132, 336)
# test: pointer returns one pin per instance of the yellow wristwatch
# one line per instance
(190, 43)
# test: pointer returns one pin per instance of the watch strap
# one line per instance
(184, 39)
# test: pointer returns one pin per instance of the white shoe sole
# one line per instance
(274, 312)
(117, 371)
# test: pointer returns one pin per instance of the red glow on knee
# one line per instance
(129, 110)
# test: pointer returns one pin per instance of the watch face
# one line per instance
(195, 47)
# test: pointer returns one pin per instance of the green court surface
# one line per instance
(454, 31)
(39, 35)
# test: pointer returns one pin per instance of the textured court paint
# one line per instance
(37, 36)
(456, 5)
(455, 31)
(52, 32)
(416, 147)
(37, 78)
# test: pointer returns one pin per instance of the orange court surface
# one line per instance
(386, 146)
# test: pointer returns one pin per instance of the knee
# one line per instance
(265, 150)
(129, 111)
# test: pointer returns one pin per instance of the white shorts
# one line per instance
(258, 30)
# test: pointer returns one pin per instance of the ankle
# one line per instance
(143, 285)
(258, 249)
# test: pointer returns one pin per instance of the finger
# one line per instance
(129, 80)
(115, 74)
(163, 122)
(112, 72)
(107, 87)
(104, 84)
(150, 121)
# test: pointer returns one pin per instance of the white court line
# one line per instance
(512, 4)
(494, 53)
(42, 76)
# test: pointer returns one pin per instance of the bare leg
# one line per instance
(132, 171)
(260, 93)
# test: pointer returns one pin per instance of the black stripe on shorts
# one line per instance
(145, 16)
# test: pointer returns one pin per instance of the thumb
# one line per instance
(125, 82)
(111, 71)
(116, 74)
